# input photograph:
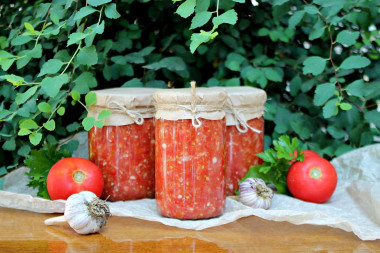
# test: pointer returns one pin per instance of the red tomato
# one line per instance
(307, 153)
(313, 180)
(73, 175)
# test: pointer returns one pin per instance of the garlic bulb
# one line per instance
(84, 212)
(253, 192)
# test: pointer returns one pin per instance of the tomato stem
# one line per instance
(79, 176)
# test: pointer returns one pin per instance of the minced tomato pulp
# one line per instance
(125, 154)
(190, 165)
(242, 149)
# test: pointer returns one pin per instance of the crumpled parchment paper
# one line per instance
(354, 206)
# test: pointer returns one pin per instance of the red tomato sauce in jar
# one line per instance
(125, 154)
(190, 165)
(242, 149)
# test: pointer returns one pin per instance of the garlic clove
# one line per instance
(253, 192)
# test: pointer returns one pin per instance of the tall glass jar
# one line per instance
(190, 152)
(124, 147)
(245, 132)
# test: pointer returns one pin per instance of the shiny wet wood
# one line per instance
(23, 231)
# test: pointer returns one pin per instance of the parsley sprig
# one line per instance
(276, 163)
(40, 161)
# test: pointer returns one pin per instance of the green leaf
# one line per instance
(250, 73)
(229, 17)
(345, 106)
(234, 61)
(54, 17)
(323, 92)
(23, 132)
(347, 37)
(35, 138)
(200, 19)
(88, 123)
(202, 5)
(75, 95)
(199, 38)
(83, 12)
(9, 145)
(29, 27)
(90, 99)
(272, 75)
(104, 114)
(52, 85)
(84, 82)
(28, 124)
(21, 40)
(75, 38)
(44, 107)
(279, 2)
(23, 97)
(355, 62)
(314, 65)
(111, 11)
(88, 56)
(13, 79)
(311, 9)
(336, 132)
(295, 18)
(330, 108)
(97, 3)
(318, 30)
(61, 111)
(135, 82)
(99, 123)
(6, 60)
(51, 67)
(49, 125)
(358, 88)
(239, 1)
(173, 63)
(186, 8)
(373, 117)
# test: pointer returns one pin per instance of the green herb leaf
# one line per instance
(49, 125)
(314, 65)
(44, 107)
(61, 111)
(90, 98)
(104, 114)
(88, 123)
(35, 138)
(40, 161)
(51, 67)
(200, 19)
(83, 12)
(186, 8)
(276, 163)
(323, 92)
(111, 11)
(355, 62)
(88, 56)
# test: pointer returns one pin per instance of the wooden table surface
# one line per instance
(23, 231)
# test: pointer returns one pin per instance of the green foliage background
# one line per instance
(318, 62)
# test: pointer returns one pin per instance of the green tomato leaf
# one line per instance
(355, 62)
(314, 65)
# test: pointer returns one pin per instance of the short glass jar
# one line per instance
(245, 132)
(124, 147)
(190, 152)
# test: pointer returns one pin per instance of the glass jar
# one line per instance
(124, 147)
(190, 153)
(245, 132)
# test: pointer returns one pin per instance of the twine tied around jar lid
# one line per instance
(241, 124)
(195, 120)
(134, 114)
